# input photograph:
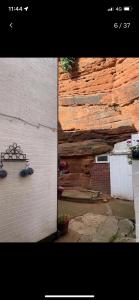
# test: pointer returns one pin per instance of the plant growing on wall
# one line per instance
(67, 63)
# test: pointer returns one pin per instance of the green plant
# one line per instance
(63, 219)
(113, 238)
(130, 159)
(67, 63)
(133, 149)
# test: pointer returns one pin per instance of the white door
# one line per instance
(121, 177)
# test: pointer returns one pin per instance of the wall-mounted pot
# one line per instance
(135, 154)
(3, 173)
(26, 172)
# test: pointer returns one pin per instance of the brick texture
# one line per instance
(100, 177)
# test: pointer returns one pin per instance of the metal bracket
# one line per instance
(14, 152)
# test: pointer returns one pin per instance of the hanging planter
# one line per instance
(135, 154)
(23, 173)
(3, 173)
(134, 151)
(30, 171)
(27, 171)
(14, 153)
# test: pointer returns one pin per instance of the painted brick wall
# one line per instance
(28, 117)
(100, 177)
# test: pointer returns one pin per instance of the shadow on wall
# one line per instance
(79, 148)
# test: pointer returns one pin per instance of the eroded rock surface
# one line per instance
(100, 93)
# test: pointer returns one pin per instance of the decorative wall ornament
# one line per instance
(14, 152)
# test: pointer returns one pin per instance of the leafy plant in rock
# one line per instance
(67, 63)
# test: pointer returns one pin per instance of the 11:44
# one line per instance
(16, 8)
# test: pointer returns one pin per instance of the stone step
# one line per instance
(80, 195)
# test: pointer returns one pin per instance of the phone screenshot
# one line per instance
(69, 150)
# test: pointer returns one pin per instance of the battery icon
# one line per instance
(127, 8)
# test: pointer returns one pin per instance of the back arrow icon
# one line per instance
(11, 25)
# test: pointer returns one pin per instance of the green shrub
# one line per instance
(67, 63)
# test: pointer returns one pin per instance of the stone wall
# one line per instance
(28, 117)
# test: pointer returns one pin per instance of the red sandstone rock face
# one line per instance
(80, 165)
(98, 107)
(76, 180)
(83, 148)
(100, 93)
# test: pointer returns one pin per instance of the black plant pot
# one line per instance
(135, 154)
(30, 171)
(26, 172)
(63, 228)
(23, 173)
(3, 173)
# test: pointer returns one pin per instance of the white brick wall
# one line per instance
(28, 90)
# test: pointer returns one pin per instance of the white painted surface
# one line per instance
(121, 173)
(28, 90)
(136, 194)
(134, 139)
(135, 165)
(121, 147)
(121, 177)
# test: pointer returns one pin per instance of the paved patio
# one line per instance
(96, 222)
(116, 207)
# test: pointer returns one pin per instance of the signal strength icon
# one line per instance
(110, 9)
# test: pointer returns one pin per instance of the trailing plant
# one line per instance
(133, 150)
(67, 63)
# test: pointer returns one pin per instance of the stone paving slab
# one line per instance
(99, 222)
(117, 207)
(93, 228)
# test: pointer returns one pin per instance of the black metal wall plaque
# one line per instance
(14, 152)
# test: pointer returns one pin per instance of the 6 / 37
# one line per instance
(121, 25)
